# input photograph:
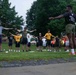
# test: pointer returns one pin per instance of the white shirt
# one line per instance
(44, 40)
(28, 37)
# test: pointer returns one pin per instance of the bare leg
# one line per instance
(70, 36)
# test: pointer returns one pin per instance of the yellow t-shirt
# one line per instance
(48, 36)
(17, 38)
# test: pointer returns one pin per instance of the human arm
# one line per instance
(31, 30)
(11, 34)
(7, 28)
(57, 17)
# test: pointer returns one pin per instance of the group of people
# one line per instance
(70, 19)
(23, 39)
(51, 42)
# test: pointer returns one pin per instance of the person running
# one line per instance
(70, 19)
(48, 36)
(1, 28)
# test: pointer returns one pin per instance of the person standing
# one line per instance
(24, 37)
(40, 42)
(28, 42)
(17, 38)
(1, 28)
(10, 41)
(70, 19)
(48, 36)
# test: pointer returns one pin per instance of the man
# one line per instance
(1, 28)
(24, 37)
(70, 19)
(48, 36)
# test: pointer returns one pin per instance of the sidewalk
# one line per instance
(52, 69)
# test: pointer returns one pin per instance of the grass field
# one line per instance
(45, 55)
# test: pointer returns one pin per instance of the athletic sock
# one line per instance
(73, 52)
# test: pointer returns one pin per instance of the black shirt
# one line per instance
(70, 17)
(10, 38)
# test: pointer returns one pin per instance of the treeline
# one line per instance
(9, 17)
(41, 10)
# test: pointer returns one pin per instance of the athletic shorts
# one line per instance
(67, 43)
(28, 44)
(48, 42)
(10, 44)
(39, 43)
(0, 39)
(70, 28)
(24, 41)
(17, 44)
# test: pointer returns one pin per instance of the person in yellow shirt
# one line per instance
(17, 38)
(48, 37)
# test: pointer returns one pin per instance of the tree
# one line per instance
(9, 17)
(41, 10)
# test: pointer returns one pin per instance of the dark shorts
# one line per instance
(10, 44)
(39, 43)
(52, 45)
(28, 44)
(57, 44)
(17, 44)
(0, 39)
(48, 42)
(24, 41)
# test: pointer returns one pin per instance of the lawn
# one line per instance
(45, 55)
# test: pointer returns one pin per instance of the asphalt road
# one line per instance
(52, 69)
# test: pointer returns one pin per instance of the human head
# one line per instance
(48, 30)
(25, 28)
(17, 33)
(68, 7)
(39, 34)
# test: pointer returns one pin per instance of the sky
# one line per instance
(21, 6)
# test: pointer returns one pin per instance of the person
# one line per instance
(57, 44)
(10, 42)
(70, 19)
(44, 42)
(40, 42)
(17, 38)
(28, 42)
(66, 44)
(48, 36)
(24, 37)
(53, 41)
(1, 28)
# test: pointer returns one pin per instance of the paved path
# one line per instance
(52, 69)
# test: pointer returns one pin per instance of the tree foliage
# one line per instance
(8, 15)
(41, 10)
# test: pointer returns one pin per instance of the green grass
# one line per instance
(15, 56)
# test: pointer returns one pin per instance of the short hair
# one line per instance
(69, 6)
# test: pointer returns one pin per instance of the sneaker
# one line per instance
(19, 51)
(67, 51)
(1, 51)
(50, 50)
